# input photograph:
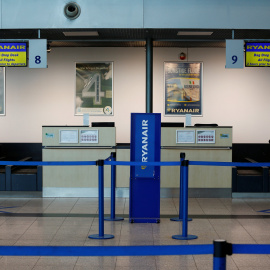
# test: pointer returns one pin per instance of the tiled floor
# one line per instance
(69, 222)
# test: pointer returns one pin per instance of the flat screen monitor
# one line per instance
(13, 54)
(257, 54)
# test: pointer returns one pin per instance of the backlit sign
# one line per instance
(13, 54)
(257, 54)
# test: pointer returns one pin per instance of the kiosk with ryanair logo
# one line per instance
(145, 180)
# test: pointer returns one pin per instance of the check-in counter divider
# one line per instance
(250, 180)
(2, 175)
(15, 174)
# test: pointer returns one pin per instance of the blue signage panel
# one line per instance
(144, 142)
(145, 180)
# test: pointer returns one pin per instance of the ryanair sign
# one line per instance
(145, 143)
(257, 54)
(13, 54)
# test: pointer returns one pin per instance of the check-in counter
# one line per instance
(82, 181)
(199, 144)
(75, 143)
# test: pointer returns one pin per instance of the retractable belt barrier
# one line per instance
(128, 163)
(220, 248)
(178, 163)
(158, 250)
(48, 163)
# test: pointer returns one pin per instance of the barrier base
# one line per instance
(180, 219)
(113, 219)
(97, 236)
(188, 237)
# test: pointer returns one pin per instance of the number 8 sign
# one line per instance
(37, 53)
(234, 53)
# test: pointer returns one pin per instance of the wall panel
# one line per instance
(40, 14)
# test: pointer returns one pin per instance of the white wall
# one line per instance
(237, 98)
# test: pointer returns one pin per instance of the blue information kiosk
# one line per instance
(144, 196)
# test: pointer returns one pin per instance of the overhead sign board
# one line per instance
(257, 54)
(13, 54)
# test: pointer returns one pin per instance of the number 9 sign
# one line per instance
(234, 58)
(234, 53)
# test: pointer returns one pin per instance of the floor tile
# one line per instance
(70, 221)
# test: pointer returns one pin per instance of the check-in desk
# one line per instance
(199, 144)
(75, 143)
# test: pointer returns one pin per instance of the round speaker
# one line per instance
(72, 10)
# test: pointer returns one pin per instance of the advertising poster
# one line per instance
(94, 88)
(183, 88)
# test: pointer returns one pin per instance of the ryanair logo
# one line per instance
(12, 47)
(258, 47)
(144, 142)
(265, 47)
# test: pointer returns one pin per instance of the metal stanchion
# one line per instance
(221, 249)
(101, 235)
(185, 235)
(113, 187)
(180, 218)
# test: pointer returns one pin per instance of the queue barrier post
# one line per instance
(113, 188)
(185, 235)
(221, 249)
(180, 217)
(101, 235)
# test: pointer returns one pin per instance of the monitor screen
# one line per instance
(13, 54)
(257, 54)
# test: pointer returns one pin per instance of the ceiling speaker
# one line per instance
(72, 10)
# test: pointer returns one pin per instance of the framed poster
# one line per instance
(94, 88)
(2, 91)
(183, 88)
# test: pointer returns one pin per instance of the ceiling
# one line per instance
(135, 37)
